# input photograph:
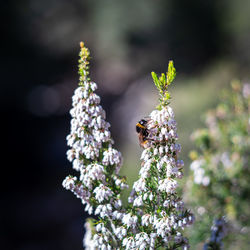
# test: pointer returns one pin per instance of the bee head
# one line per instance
(141, 125)
(143, 122)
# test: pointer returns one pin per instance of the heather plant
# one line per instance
(155, 216)
(220, 181)
(218, 232)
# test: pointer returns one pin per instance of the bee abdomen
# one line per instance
(145, 132)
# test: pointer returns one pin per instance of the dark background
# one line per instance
(127, 39)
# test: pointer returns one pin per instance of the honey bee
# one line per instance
(143, 132)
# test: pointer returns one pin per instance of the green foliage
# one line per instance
(162, 83)
(171, 73)
(220, 184)
(83, 68)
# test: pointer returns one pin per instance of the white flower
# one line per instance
(146, 219)
(155, 151)
(77, 164)
(164, 131)
(152, 241)
(178, 238)
(196, 164)
(93, 86)
(129, 220)
(155, 115)
(226, 161)
(205, 181)
(88, 243)
(121, 232)
(118, 203)
(104, 210)
(142, 240)
(144, 171)
(70, 154)
(128, 243)
(201, 210)
(88, 208)
(117, 215)
(111, 156)
(102, 193)
(99, 227)
(138, 201)
(69, 183)
(163, 226)
(161, 150)
(168, 185)
(145, 155)
(199, 172)
(246, 90)
(140, 185)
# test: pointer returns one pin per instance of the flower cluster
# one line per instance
(154, 193)
(220, 167)
(92, 154)
(218, 232)
(155, 216)
(199, 173)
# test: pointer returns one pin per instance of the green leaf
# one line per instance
(163, 79)
(167, 95)
(155, 79)
(171, 73)
(163, 82)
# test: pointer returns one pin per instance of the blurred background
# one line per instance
(209, 42)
